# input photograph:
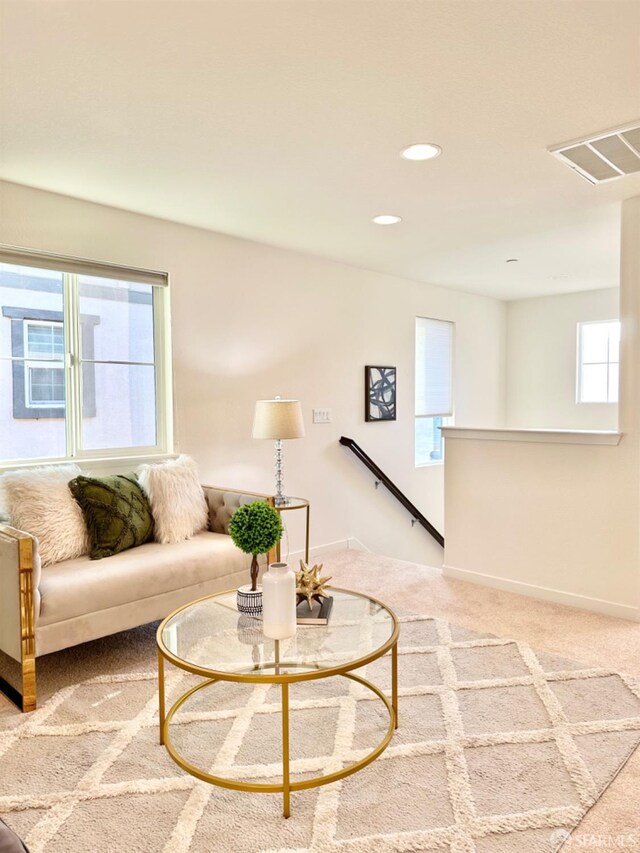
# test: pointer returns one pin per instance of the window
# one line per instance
(84, 358)
(38, 354)
(598, 361)
(44, 385)
(434, 395)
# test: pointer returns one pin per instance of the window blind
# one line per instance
(29, 258)
(434, 356)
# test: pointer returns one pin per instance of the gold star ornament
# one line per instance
(310, 585)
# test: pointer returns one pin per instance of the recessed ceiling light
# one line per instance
(386, 219)
(421, 151)
(512, 260)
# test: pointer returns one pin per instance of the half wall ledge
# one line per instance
(545, 436)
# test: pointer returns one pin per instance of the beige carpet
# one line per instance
(500, 748)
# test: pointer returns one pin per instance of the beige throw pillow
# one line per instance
(177, 501)
(39, 502)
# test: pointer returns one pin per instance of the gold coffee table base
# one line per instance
(286, 786)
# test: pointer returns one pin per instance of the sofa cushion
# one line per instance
(116, 512)
(38, 500)
(77, 587)
(222, 505)
(177, 500)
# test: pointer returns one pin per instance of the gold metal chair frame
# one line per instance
(284, 679)
(25, 698)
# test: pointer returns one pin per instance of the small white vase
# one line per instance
(279, 602)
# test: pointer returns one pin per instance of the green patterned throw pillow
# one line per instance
(116, 512)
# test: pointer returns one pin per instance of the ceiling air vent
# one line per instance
(604, 157)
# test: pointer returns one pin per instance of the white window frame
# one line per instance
(71, 269)
(39, 361)
(608, 363)
(448, 418)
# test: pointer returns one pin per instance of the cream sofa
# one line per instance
(43, 610)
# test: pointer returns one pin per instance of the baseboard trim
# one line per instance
(356, 545)
(318, 550)
(557, 596)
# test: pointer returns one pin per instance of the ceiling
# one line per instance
(282, 121)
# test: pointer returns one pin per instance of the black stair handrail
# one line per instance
(395, 491)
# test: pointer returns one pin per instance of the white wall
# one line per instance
(541, 361)
(557, 521)
(250, 321)
(554, 520)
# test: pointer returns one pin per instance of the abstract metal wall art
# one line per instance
(379, 393)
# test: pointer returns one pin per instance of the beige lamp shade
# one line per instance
(278, 419)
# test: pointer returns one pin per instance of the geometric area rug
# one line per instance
(500, 749)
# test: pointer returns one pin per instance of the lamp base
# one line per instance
(280, 499)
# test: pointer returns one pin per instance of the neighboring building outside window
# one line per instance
(44, 385)
(84, 360)
(598, 361)
(38, 353)
(434, 388)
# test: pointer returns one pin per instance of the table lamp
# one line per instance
(278, 419)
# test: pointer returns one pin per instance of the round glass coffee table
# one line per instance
(210, 638)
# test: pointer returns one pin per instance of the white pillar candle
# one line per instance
(279, 602)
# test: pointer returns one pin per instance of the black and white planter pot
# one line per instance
(249, 601)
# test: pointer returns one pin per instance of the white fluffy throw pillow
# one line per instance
(39, 502)
(177, 501)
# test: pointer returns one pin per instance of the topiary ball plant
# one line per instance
(255, 528)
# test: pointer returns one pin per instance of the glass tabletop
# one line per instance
(210, 636)
(292, 503)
